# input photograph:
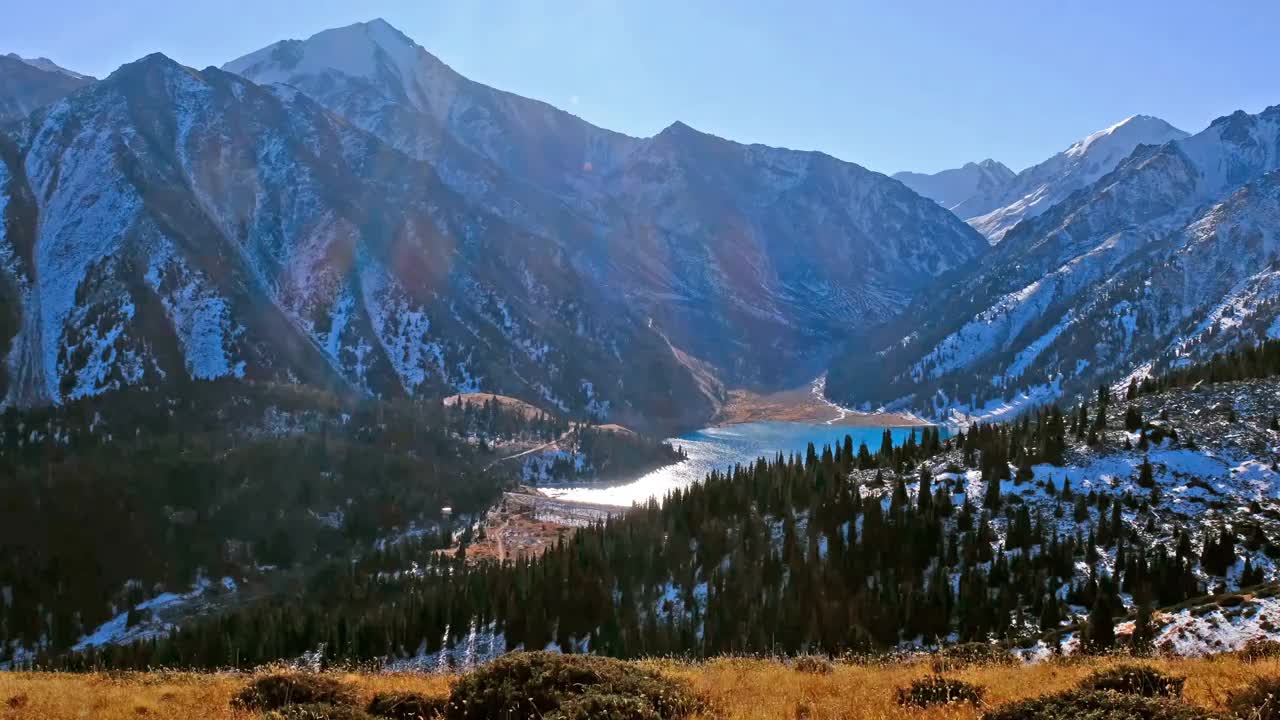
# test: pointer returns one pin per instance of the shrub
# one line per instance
(277, 690)
(1134, 680)
(407, 706)
(594, 706)
(1260, 649)
(1095, 705)
(547, 685)
(318, 711)
(964, 655)
(937, 690)
(1259, 701)
(813, 664)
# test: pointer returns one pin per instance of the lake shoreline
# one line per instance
(719, 449)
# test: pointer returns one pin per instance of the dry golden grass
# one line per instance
(738, 689)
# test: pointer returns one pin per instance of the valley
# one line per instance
(330, 361)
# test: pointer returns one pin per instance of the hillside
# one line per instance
(232, 493)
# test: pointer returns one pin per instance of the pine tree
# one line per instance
(1100, 633)
(1140, 642)
(924, 494)
(1146, 474)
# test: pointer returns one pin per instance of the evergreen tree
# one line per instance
(1100, 632)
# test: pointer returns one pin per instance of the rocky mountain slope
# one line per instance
(1167, 259)
(348, 212)
(167, 224)
(714, 241)
(973, 189)
(29, 84)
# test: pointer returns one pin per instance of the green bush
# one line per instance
(937, 690)
(277, 690)
(1096, 705)
(317, 712)
(1134, 680)
(407, 706)
(965, 655)
(1259, 701)
(543, 685)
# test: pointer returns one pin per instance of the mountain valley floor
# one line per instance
(804, 404)
(734, 688)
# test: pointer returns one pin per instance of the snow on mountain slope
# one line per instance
(970, 190)
(168, 224)
(1038, 188)
(1169, 258)
(26, 85)
(712, 241)
(375, 76)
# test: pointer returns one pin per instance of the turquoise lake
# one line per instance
(720, 448)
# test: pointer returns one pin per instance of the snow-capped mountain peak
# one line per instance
(1128, 133)
(1042, 186)
(372, 52)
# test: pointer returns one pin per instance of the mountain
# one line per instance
(47, 65)
(1169, 258)
(29, 84)
(1040, 187)
(975, 185)
(167, 224)
(713, 241)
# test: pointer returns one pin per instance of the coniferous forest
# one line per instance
(841, 549)
(105, 504)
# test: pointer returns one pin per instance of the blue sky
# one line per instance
(919, 85)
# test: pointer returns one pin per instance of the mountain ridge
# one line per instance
(290, 250)
(1165, 260)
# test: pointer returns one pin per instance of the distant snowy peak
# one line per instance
(47, 65)
(975, 185)
(1040, 187)
(25, 86)
(374, 52)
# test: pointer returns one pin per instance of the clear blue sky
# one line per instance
(891, 85)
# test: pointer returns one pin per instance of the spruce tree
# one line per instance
(1100, 633)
